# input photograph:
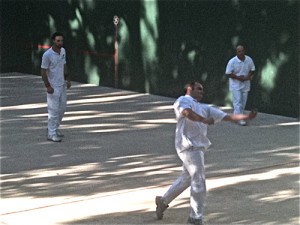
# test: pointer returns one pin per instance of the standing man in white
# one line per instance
(56, 78)
(240, 70)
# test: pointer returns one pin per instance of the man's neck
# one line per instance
(56, 49)
(196, 100)
(242, 58)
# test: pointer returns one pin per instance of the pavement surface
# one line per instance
(118, 154)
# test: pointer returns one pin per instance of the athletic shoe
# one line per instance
(242, 123)
(160, 207)
(193, 221)
(59, 133)
(54, 138)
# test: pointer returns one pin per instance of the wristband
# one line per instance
(47, 85)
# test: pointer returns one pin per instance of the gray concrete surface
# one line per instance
(118, 153)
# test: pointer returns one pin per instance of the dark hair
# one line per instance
(240, 44)
(57, 34)
(191, 85)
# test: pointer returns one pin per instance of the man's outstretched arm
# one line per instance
(237, 117)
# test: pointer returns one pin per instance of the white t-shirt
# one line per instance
(239, 68)
(191, 133)
(54, 63)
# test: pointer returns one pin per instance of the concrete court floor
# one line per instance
(118, 154)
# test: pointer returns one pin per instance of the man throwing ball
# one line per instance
(191, 141)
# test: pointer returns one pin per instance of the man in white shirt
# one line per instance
(240, 70)
(191, 141)
(56, 78)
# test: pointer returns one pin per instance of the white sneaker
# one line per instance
(54, 138)
(242, 123)
(59, 133)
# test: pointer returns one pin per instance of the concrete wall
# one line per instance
(162, 44)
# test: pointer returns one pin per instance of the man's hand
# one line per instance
(68, 84)
(236, 77)
(50, 90)
(241, 78)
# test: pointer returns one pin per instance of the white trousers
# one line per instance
(239, 101)
(193, 175)
(57, 104)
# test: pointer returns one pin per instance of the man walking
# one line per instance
(56, 78)
(191, 141)
(240, 70)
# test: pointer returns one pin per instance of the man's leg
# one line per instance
(237, 102)
(194, 163)
(180, 184)
(53, 112)
(62, 103)
(244, 100)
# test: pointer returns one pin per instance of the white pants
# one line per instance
(57, 104)
(193, 175)
(239, 101)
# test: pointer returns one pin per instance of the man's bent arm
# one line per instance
(190, 114)
(250, 75)
(233, 76)
(45, 77)
(66, 73)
